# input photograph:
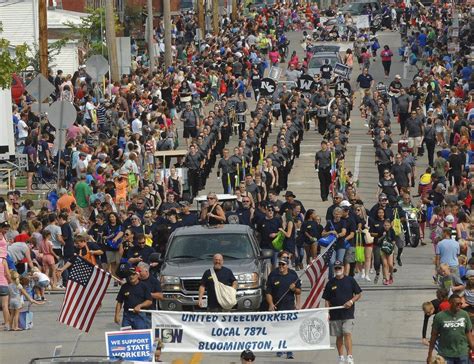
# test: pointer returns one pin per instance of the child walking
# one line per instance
(17, 292)
(49, 256)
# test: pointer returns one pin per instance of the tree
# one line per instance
(91, 32)
(11, 62)
(54, 49)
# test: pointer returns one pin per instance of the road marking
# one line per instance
(357, 161)
(350, 145)
(196, 358)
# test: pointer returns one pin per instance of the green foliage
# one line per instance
(54, 49)
(91, 32)
(11, 63)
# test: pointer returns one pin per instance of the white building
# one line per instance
(20, 25)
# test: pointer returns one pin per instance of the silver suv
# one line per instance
(189, 253)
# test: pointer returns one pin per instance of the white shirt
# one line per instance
(136, 126)
(22, 129)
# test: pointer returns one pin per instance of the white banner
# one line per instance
(185, 332)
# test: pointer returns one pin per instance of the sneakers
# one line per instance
(390, 281)
(289, 355)
(279, 354)
(350, 359)
(399, 262)
(367, 278)
(341, 360)
(376, 279)
(385, 282)
(371, 271)
(362, 276)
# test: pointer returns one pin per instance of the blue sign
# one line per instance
(133, 345)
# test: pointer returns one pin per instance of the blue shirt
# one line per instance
(466, 73)
(448, 251)
(422, 39)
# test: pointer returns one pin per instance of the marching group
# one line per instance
(118, 203)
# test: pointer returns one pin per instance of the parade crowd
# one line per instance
(117, 203)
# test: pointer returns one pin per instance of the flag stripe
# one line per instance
(66, 295)
(71, 290)
(84, 299)
(318, 273)
(85, 290)
(316, 296)
(101, 297)
(89, 309)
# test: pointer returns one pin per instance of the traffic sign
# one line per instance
(62, 114)
(267, 87)
(305, 83)
(40, 88)
(97, 66)
(343, 88)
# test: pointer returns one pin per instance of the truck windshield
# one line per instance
(231, 246)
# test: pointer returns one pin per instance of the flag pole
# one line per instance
(302, 273)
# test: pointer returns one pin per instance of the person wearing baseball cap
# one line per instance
(134, 295)
(283, 291)
(342, 291)
(247, 356)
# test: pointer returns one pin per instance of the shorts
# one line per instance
(341, 327)
(42, 284)
(413, 141)
(15, 304)
(31, 168)
(189, 132)
(350, 255)
(4, 291)
(112, 256)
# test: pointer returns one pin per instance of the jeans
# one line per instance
(394, 105)
(340, 253)
(377, 259)
(459, 360)
(137, 321)
(300, 254)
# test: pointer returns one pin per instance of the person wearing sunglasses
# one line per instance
(344, 291)
(213, 214)
(283, 291)
(451, 330)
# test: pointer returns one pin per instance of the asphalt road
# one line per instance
(388, 319)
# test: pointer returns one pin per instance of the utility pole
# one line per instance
(111, 42)
(151, 49)
(43, 37)
(234, 10)
(167, 26)
(201, 17)
(215, 16)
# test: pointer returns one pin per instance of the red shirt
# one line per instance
(21, 238)
(444, 306)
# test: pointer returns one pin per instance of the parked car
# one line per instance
(189, 254)
(18, 88)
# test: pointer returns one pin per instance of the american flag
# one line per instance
(84, 293)
(318, 273)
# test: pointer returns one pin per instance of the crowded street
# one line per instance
(369, 147)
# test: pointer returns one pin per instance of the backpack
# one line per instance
(413, 59)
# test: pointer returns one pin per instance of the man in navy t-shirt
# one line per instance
(224, 275)
(365, 81)
(342, 291)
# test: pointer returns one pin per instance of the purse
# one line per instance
(226, 295)
(387, 246)
(369, 239)
(278, 241)
(359, 249)
(328, 239)
(397, 224)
